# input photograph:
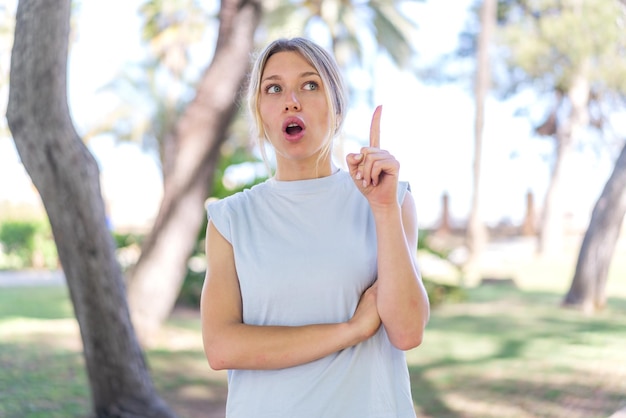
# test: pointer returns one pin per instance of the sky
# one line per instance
(428, 128)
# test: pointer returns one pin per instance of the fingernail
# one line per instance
(358, 157)
(364, 183)
(359, 175)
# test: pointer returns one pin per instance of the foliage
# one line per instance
(230, 160)
(18, 236)
(26, 244)
(170, 27)
(440, 293)
(542, 44)
(347, 23)
(128, 249)
(192, 289)
(423, 245)
(155, 90)
(30, 244)
(576, 52)
(351, 29)
(551, 42)
(127, 239)
(567, 60)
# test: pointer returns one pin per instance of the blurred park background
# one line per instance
(507, 117)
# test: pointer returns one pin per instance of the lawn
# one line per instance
(504, 352)
(511, 353)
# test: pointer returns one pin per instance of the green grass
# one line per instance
(510, 353)
(37, 382)
(503, 352)
(44, 302)
(42, 371)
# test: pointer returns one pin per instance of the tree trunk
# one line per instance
(476, 235)
(552, 232)
(157, 277)
(587, 290)
(67, 178)
(552, 229)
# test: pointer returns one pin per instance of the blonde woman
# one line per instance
(312, 291)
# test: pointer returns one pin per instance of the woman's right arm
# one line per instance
(231, 344)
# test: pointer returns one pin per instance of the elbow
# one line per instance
(411, 337)
(218, 348)
(217, 352)
(216, 365)
(409, 341)
(218, 360)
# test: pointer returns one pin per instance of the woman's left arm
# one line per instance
(402, 300)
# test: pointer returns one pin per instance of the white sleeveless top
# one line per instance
(305, 251)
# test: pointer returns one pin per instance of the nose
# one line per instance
(292, 102)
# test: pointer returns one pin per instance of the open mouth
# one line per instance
(293, 129)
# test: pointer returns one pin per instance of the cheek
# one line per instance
(265, 132)
(267, 129)
(323, 118)
(264, 115)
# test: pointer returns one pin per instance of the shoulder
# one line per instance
(223, 211)
(403, 188)
(235, 201)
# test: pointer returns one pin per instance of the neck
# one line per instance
(292, 172)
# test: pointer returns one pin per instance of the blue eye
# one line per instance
(311, 85)
(272, 89)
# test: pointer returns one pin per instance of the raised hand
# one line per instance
(375, 171)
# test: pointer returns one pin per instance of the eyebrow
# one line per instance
(301, 75)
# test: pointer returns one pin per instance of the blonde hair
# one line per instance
(329, 72)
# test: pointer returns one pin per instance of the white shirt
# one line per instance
(305, 251)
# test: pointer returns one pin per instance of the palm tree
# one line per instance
(351, 26)
(347, 23)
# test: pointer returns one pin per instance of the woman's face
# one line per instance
(293, 108)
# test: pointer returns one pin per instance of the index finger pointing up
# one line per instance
(375, 128)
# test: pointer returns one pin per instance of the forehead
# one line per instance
(287, 63)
